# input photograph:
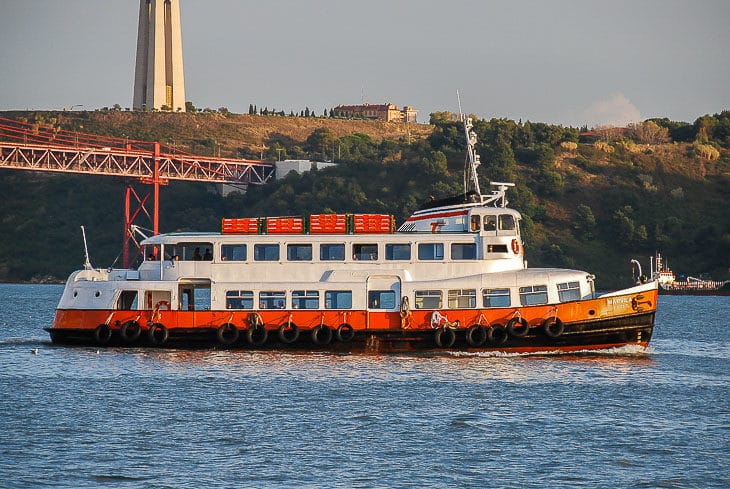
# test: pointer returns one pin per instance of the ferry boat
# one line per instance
(669, 285)
(452, 277)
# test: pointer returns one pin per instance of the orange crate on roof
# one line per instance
(284, 225)
(241, 225)
(372, 223)
(328, 223)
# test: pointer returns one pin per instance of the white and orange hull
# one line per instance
(611, 321)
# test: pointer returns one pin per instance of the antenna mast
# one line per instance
(87, 262)
(471, 180)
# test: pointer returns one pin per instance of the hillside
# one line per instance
(209, 133)
(588, 202)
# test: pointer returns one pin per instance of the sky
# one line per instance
(560, 62)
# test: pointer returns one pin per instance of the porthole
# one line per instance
(76, 293)
(591, 312)
(97, 293)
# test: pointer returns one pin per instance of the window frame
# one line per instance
(298, 247)
(241, 296)
(232, 248)
(435, 248)
(530, 292)
(494, 294)
(257, 246)
(454, 296)
(420, 296)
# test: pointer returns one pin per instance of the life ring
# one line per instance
(444, 337)
(322, 335)
(257, 335)
(515, 246)
(163, 303)
(158, 334)
(288, 332)
(345, 333)
(476, 335)
(130, 331)
(497, 334)
(227, 334)
(102, 334)
(518, 327)
(553, 327)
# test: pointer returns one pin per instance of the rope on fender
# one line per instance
(405, 312)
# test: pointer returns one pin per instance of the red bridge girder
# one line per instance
(31, 147)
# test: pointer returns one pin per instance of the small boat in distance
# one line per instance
(669, 285)
(452, 277)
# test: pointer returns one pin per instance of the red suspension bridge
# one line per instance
(36, 147)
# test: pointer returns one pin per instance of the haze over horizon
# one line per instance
(562, 62)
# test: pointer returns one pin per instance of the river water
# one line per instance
(88, 417)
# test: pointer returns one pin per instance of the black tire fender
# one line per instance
(158, 334)
(227, 334)
(476, 335)
(345, 333)
(102, 334)
(322, 335)
(288, 332)
(553, 327)
(444, 337)
(130, 331)
(497, 334)
(518, 327)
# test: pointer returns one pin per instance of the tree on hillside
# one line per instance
(320, 141)
(648, 132)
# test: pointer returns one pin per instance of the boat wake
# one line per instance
(622, 351)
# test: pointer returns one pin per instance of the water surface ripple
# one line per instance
(88, 417)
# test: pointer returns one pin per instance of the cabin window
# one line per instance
(534, 294)
(507, 222)
(338, 299)
(490, 223)
(497, 248)
(428, 299)
(299, 252)
(430, 251)
(463, 251)
(398, 251)
(381, 299)
(332, 252)
(365, 252)
(266, 252)
(475, 223)
(569, 291)
(234, 252)
(305, 299)
(496, 298)
(272, 300)
(190, 251)
(127, 300)
(462, 299)
(239, 299)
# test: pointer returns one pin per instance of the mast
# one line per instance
(498, 196)
(471, 180)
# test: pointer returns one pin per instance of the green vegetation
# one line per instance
(591, 203)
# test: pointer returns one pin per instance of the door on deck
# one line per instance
(383, 296)
(194, 296)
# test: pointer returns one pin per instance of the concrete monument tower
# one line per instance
(158, 75)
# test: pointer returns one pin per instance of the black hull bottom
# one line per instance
(602, 334)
